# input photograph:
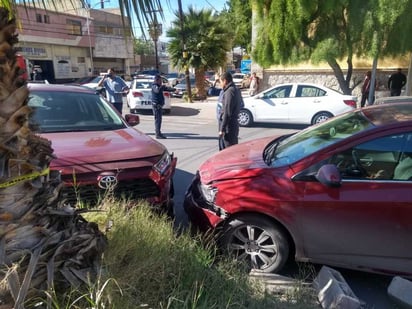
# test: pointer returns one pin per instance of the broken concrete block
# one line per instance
(401, 291)
(333, 291)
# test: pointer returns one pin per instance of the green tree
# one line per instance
(206, 44)
(333, 31)
(238, 20)
(143, 47)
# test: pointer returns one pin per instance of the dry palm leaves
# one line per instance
(44, 243)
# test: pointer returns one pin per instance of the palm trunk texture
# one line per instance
(45, 244)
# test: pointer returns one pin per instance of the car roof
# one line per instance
(396, 99)
(385, 114)
(59, 87)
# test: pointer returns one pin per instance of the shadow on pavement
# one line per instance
(184, 111)
(184, 179)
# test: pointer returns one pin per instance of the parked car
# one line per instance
(99, 152)
(174, 78)
(238, 79)
(210, 76)
(93, 84)
(180, 88)
(397, 99)
(140, 96)
(83, 80)
(336, 193)
(246, 81)
(297, 103)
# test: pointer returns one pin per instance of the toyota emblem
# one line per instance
(107, 182)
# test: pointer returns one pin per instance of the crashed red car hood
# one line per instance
(245, 158)
(106, 146)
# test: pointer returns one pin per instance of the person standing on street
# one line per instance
(115, 88)
(396, 82)
(365, 89)
(158, 100)
(231, 103)
(254, 84)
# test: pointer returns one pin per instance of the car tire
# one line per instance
(245, 118)
(321, 117)
(256, 240)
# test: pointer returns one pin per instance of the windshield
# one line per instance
(304, 143)
(96, 80)
(66, 111)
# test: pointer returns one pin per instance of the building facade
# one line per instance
(73, 42)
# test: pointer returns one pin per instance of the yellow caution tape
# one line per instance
(18, 179)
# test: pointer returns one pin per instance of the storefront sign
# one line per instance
(34, 51)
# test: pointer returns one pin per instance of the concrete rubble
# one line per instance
(400, 290)
(333, 290)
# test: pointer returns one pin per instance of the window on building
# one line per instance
(74, 27)
(105, 29)
(109, 30)
(46, 19)
(39, 18)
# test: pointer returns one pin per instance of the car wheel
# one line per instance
(257, 241)
(321, 117)
(245, 118)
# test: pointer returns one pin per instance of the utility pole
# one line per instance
(187, 74)
(155, 31)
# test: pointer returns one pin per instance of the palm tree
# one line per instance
(45, 244)
(206, 44)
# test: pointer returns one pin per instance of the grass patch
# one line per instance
(147, 265)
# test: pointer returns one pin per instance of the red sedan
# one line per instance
(337, 193)
(97, 151)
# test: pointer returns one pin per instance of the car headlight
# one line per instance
(163, 164)
(208, 193)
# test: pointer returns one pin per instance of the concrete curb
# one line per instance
(333, 291)
(401, 291)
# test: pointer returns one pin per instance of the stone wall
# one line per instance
(327, 78)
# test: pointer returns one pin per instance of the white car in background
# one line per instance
(139, 97)
(93, 84)
(295, 103)
(238, 79)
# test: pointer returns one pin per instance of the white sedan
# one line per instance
(238, 79)
(297, 103)
(139, 96)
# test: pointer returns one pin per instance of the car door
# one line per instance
(273, 105)
(308, 101)
(366, 222)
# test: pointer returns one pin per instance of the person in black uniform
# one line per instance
(158, 100)
(396, 82)
(232, 102)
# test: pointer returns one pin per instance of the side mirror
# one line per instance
(329, 175)
(132, 120)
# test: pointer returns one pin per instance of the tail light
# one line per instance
(351, 103)
(137, 94)
(166, 94)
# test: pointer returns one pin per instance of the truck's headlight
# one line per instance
(163, 164)
(208, 193)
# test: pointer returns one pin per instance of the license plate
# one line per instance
(146, 103)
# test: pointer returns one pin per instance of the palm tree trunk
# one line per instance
(44, 244)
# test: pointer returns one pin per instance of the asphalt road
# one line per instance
(191, 131)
